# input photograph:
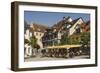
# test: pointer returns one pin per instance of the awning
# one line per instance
(64, 46)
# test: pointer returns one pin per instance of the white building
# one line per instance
(38, 31)
(27, 47)
(76, 25)
(33, 30)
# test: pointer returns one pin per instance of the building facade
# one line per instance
(66, 26)
(37, 31)
(51, 36)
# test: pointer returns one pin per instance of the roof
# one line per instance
(38, 27)
(88, 23)
(61, 23)
(58, 26)
(74, 21)
(86, 26)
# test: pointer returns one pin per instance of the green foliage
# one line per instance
(64, 39)
(75, 39)
(82, 38)
(26, 41)
(33, 41)
(85, 38)
(55, 43)
(85, 41)
(37, 46)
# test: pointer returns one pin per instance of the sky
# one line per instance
(51, 18)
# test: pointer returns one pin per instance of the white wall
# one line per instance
(39, 38)
(5, 28)
(72, 29)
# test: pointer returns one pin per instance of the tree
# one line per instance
(64, 39)
(82, 38)
(33, 41)
(85, 38)
(85, 41)
(74, 39)
(26, 41)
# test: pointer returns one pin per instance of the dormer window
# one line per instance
(77, 29)
(69, 20)
(54, 30)
(68, 26)
(36, 34)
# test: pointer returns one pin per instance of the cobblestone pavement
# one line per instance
(38, 58)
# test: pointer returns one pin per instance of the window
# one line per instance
(68, 26)
(77, 38)
(24, 50)
(40, 34)
(54, 30)
(77, 28)
(55, 35)
(28, 50)
(36, 33)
